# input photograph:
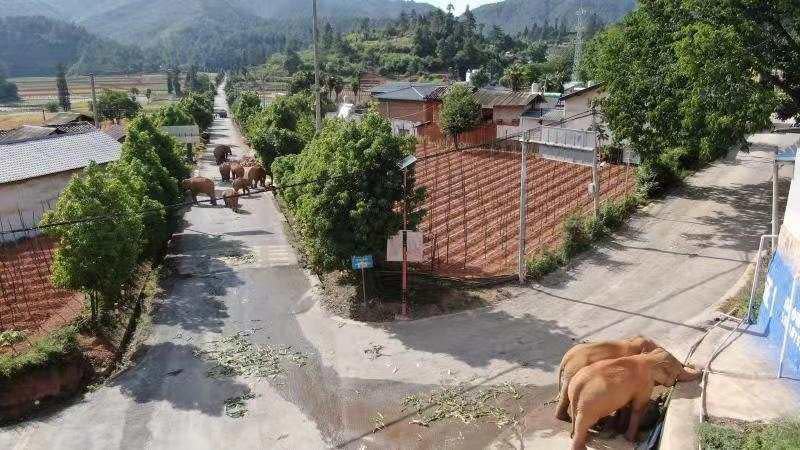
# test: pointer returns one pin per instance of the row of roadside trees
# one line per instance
(111, 219)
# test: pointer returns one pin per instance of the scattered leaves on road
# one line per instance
(236, 407)
(235, 355)
(463, 402)
(373, 351)
(378, 422)
(236, 257)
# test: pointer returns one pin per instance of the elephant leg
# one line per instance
(638, 407)
(580, 429)
(563, 402)
(194, 197)
(213, 200)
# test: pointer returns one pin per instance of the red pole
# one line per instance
(404, 307)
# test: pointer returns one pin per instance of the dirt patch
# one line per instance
(428, 296)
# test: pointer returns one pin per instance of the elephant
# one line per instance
(584, 354)
(221, 153)
(225, 171)
(237, 170)
(200, 185)
(599, 389)
(255, 175)
(241, 184)
(231, 199)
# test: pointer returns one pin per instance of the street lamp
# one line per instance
(407, 162)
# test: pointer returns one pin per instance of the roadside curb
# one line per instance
(684, 412)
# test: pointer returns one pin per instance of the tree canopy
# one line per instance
(680, 91)
(460, 111)
(343, 190)
(116, 105)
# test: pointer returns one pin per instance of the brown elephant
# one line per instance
(231, 199)
(598, 390)
(237, 170)
(256, 175)
(584, 354)
(225, 171)
(200, 185)
(241, 184)
(221, 153)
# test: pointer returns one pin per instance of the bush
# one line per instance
(58, 346)
(51, 106)
(544, 263)
(172, 115)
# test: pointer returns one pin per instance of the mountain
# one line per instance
(34, 45)
(147, 21)
(514, 15)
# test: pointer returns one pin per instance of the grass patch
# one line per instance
(780, 435)
(579, 232)
(54, 348)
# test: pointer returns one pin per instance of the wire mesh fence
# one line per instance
(471, 228)
(30, 305)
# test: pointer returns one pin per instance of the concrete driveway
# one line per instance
(236, 272)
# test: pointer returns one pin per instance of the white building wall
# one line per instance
(30, 197)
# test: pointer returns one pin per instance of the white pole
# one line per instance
(788, 326)
(775, 203)
(523, 206)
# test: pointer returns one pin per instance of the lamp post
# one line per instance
(407, 162)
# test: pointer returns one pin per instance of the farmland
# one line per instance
(35, 90)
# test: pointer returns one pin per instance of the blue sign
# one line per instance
(363, 262)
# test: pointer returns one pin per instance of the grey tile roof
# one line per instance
(116, 132)
(61, 153)
(26, 133)
(413, 91)
(491, 98)
(67, 117)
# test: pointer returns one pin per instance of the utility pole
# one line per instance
(595, 177)
(44, 118)
(95, 109)
(404, 307)
(775, 230)
(318, 106)
(523, 207)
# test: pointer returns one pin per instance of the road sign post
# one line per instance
(363, 263)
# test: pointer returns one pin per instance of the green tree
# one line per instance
(8, 90)
(292, 62)
(116, 105)
(460, 112)
(51, 106)
(63, 89)
(479, 78)
(679, 91)
(169, 151)
(200, 107)
(172, 115)
(355, 86)
(96, 257)
(769, 30)
(247, 104)
(301, 81)
(349, 208)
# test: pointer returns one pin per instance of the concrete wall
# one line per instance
(30, 197)
(579, 104)
(508, 115)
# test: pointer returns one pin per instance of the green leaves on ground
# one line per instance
(345, 189)
(235, 355)
(463, 403)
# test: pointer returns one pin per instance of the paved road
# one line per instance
(657, 277)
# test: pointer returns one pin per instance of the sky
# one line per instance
(460, 5)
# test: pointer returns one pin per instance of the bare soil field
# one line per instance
(471, 225)
(33, 89)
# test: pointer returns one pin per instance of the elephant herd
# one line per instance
(242, 179)
(596, 380)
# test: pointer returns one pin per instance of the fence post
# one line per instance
(595, 178)
(523, 203)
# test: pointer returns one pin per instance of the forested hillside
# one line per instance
(35, 45)
(515, 15)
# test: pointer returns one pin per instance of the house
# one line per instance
(117, 131)
(505, 108)
(32, 132)
(35, 171)
(578, 105)
(67, 117)
(408, 105)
